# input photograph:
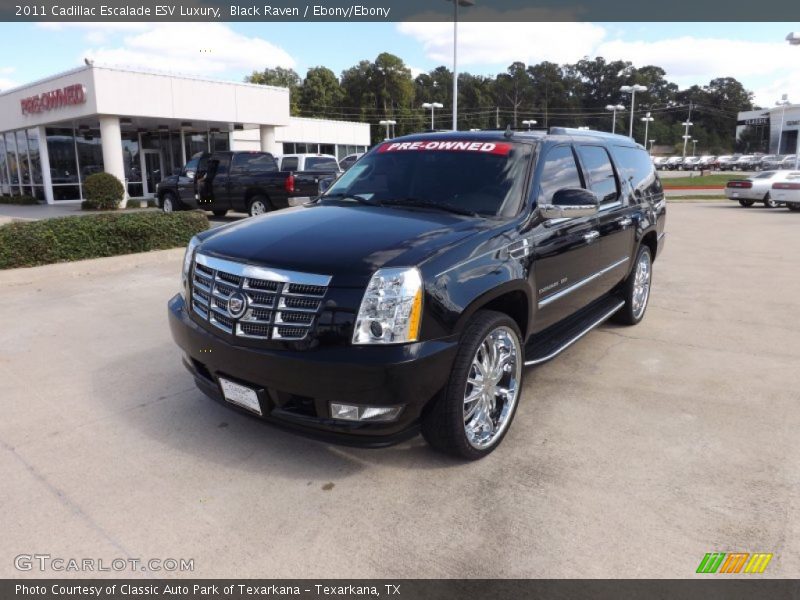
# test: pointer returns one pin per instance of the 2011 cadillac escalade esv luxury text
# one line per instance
(412, 294)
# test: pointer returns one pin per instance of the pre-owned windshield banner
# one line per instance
(513, 11)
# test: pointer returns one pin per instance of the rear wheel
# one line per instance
(746, 203)
(258, 205)
(636, 289)
(471, 416)
(769, 202)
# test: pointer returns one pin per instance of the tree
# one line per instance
(320, 93)
(279, 77)
(513, 88)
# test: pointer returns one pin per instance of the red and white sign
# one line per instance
(66, 96)
(501, 148)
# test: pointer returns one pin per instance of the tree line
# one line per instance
(569, 95)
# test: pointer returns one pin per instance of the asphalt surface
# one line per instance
(633, 454)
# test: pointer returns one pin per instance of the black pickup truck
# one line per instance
(241, 181)
(413, 293)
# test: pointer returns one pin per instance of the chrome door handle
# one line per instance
(591, 236)
(625, 222)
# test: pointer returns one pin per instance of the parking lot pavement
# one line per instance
(633, 454)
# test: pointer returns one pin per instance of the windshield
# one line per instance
(479, 177)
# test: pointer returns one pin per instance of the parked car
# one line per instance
(757, 188)
(768, 162)
(787, 191)
(673, 163)
(413, 293)
(705, 163)
(659, 161)
(789, 161)
(745, 162)
(349, 160)
(690, 163)
(242, 181)
(324, 163)
(725, 163)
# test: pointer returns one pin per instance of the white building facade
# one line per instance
(780, 125)
(141, 126)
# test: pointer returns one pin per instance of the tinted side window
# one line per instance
(289, 164)
(191, 166)
(597, 165)
(220, 165)
(635, 166)
(321, 163)
(558, 172)
(253, 162)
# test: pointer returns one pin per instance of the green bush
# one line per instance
(102, 191)
(32, 243)
(25, 199)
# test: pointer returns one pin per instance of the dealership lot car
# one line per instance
(477, 254)
(673, 163)
(787, 191)
(758, 188)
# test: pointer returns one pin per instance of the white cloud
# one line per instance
(506, 42)
(192, 48)
(766, 95)
(6, 82)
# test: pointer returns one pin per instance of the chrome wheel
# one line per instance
(257, 207)
(641, 284)
(166, 204)
(492, 388)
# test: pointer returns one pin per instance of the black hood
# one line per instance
(347, 242)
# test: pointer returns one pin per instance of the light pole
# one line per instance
(686, 136)
(647, 120)
(694, 146)
(614, 108)
(794, 39)
(456, 4)
(433, 106)
(530, 122)
(388, 123)
(632, 89)
(783, 103)
(651, 145)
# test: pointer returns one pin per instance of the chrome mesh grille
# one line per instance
(280, 305)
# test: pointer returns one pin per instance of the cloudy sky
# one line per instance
(755, 53)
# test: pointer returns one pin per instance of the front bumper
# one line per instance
(295, 388)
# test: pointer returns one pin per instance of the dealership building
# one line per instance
(778, 127)
(141, 126)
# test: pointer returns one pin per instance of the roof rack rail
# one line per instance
(591, 132)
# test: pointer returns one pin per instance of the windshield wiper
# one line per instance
(419, 202)
(358, 198)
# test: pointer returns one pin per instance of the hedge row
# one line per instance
(18, 200)
(32, 243)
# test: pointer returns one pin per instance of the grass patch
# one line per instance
(699, 181)
(27, 200)
(33, 243)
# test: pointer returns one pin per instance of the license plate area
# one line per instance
(240, 395)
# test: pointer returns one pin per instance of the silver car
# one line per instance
(757, 188)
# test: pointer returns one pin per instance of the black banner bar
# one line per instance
(400, 589)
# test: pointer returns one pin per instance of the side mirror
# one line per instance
(189, 175)
(568, 203)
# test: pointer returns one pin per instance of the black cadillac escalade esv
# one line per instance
(412, 294)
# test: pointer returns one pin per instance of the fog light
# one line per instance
(348, 412)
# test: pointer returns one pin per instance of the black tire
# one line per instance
(443, 424)
(220, 212)
(746, 203)
(793, 207)
(258, 205)
(628, 314)
(169, 202)
(769, 202)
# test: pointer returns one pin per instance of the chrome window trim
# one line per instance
(579, 284)
(279, 275)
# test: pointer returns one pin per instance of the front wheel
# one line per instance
(769, 202)
(636, 289)
(257, 206)
(169, 203)
(471, 415)
(746, 203)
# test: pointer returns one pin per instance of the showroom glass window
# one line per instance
(63, 163)
(196, 142)
(11, 157)
(4, 182)
(90, 152)
(22, 162)
(35, 160)
(132, 163)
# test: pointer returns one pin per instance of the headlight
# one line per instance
(391, 310)
(187, 260)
